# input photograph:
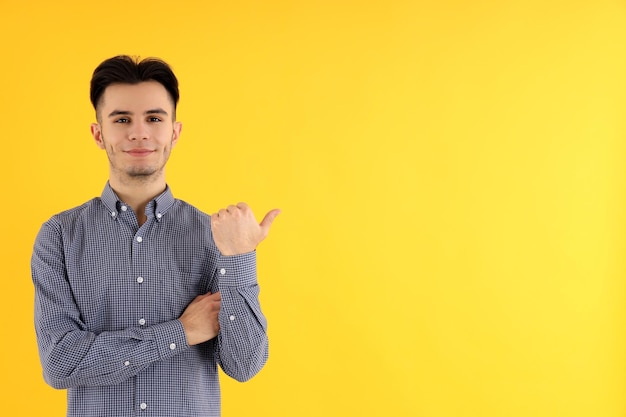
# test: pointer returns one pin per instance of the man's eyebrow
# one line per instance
(119, 112)
(157, 110)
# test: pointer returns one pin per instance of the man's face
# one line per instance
(136, 129)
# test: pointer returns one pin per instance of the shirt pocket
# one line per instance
(176, 290)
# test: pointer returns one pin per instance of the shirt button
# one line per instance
(143, 406)
(222, 271)
(142, 322)
(159, 215)
(126, 363)
(124, 208)
(140, 279)
(172, 346)
(112, 214)
(139, 238)
(232, 318)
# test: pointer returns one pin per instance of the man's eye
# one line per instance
(154, 119)
(122, 120)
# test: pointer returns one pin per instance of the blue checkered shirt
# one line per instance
(108, 295)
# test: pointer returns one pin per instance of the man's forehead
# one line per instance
(148, 94)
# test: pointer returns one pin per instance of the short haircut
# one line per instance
(123, 69)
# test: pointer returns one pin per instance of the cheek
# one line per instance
(108, 147)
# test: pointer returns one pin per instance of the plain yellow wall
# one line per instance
(451, 174)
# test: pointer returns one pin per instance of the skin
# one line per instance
(137, 130)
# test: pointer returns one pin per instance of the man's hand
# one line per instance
(200, 318)
(236, 231)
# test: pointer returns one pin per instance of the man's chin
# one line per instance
(141, 173)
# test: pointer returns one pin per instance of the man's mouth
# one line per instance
(139, 152)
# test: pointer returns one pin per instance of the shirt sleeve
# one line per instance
(242, 347)
(70, 354)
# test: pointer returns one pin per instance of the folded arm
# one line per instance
(71, 355)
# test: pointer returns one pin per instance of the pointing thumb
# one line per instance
(269, 218)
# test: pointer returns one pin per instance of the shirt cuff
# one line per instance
(170, 338)
(237, 270)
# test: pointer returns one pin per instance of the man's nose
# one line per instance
(139, 131)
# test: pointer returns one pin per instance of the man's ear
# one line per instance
(178, 127)
(96, 132)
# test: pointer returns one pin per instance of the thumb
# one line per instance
(269, 218)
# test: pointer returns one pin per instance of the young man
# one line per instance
(139, 296)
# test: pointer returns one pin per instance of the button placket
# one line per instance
(145, 285)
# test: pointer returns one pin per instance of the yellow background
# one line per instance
(451, 175)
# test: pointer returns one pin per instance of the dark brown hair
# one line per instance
(123, 69)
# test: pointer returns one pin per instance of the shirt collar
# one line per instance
(155, 208)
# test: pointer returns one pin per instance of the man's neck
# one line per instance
(138, 192)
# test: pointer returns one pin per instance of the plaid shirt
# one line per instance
(108, 294)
